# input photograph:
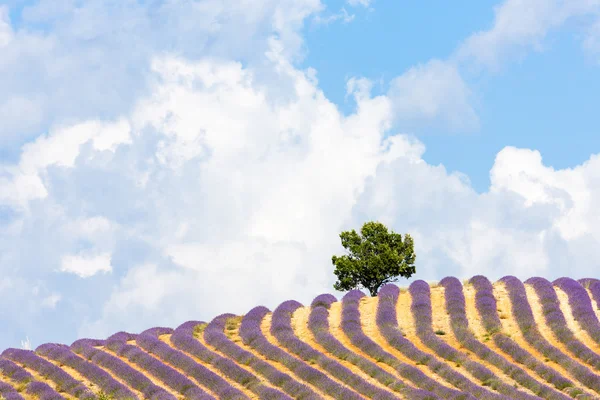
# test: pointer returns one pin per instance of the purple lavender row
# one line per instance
(594, 286)
(581, 304)
(133, 377)
(252, 335)
(319, 326)
(213, 334)
(15, 372)
(421, 309)
(63, 354)
(351, 325)
(485, 302)
(8, 392)
(149, 341)
(169, 376)
(556, 320)
(455, 305)
(63, 380)
(42, 391)
(21, 376)
(281, 328)
(183, 339)
(526, 322)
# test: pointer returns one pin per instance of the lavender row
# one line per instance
(581, 305)
(183, 339)
(281, 328)
(319, 325)
(15, 372)
(63, 380)
(169, 376)
(351, 325)
(252, 335)
(8, 392)
(214, 336)
(149, 341)
(556, 320)
(486, 306)
(133, 377)
(524, 316)
(22, 377)
(455, 306)
(421, 309)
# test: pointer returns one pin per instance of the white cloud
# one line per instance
(6, 33)
(51, 301)
(520, 25)
(433, 91)
(364, 3)
(86, 265)
(342, 14)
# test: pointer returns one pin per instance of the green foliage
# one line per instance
(376, 257)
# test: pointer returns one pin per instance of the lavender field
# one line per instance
(471, 339)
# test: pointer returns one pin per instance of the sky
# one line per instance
(164, 161)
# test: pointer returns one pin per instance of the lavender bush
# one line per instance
(486, 306)
(352, 328)
(455, 305)
(581, 305)
(15, 372)
(214, 336)
(169, 376)
(421, 309)
(556, 320)
(252, 335)
(63, 381)
(183, 339)
(42, 391)
(524, 317)
(319, 325)
(149, 341)
(63, 354)
(133, 377)
(7, 391)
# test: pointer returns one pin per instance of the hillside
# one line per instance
(474, 339)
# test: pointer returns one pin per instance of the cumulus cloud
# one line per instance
(85, 265)
(520, 26)
(100, 52)
(432, 92)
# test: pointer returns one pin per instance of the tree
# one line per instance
(376, 257)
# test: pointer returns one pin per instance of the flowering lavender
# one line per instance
(149, 341)
(7, 391)
(133, 377)
(421, 309)
(252, 335)
(183, 339)
(319, 325)
(581, 304)
(455, 305)
(214, 336)
(281, 328)
(63, 380)
(351, 325)
(42, 391)
(486, 306)
(556, 320)
(525, 320)
(15, 372)
(63, 354)
(169, 376)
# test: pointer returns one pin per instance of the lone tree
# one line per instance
(376, 258)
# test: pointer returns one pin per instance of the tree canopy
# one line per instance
(376, 257)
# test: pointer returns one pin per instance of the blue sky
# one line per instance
(166, 161)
